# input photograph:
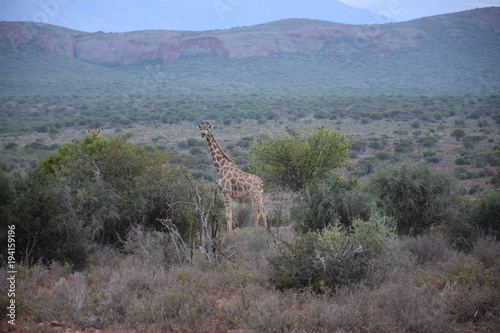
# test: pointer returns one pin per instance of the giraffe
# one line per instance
(234, 183)
(95, 130)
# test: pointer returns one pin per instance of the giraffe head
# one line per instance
(94, 130)
(204, 128)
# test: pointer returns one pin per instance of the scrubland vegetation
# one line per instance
(115, 236)
(399, 233)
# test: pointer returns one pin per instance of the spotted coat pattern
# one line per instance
(233, 182)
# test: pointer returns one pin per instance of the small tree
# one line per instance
(301, 157)
(418, 197)
(458, 133)
(332, 202)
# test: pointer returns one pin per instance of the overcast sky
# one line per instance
(404, 10)
(127, 15)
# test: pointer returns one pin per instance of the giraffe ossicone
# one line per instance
(233, 182)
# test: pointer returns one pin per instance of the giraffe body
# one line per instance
(233, 182)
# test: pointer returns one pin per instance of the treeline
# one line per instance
(49, 114)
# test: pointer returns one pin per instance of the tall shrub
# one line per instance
(45, 229)
(92, 192)
(332, 202)
(486, 213)
(115, 185)
(417, 196)
(301, 157)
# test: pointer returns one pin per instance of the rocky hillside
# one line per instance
(286, 36)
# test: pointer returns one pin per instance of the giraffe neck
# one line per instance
(219, 157)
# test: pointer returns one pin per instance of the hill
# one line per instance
(453, 53)
(409, 85)
(122, 16)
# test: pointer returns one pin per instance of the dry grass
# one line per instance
(125, 293)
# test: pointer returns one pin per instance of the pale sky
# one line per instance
(403, 10)
(128, 15)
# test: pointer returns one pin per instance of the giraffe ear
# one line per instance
(99, 131)
(209, 126)
(199, 126)
(88, 132)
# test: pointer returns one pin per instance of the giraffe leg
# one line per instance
(263, 212)
(259, 211)
(229, 214)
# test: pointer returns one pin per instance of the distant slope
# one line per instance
(453, 53)
(121, 16)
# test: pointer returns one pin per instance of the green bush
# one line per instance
(428, 141)
(10, 146)
(94, 191)
(418, 197)
(44, 228)
(332, 202)
(332, 257)
(365, 166)
(301, 157)
(486, 213)
(476, 218)
(403, 147)
(458, 134)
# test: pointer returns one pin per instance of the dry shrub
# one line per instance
(248, 248)
(487, 250)
(242, 213)
(350, 310)
(133, 295)
(414, 309)
(261, 310)
(159, 249)
(34, 279)
(428, 248)
(473, 304)
(473, 288)
(468, 285)
(123, 293)
(68, 300)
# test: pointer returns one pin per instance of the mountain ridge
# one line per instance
(123, 16)
(452, 53)
(282, 36)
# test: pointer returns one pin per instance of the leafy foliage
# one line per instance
(332, 257)
(94, 191)
(486, 213)
(332, 202)
(45, 229)
(418, 197)
(301, 158)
